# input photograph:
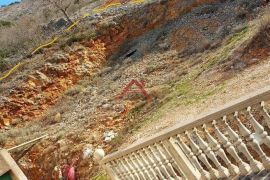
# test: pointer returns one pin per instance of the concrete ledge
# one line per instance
(7, 163)
(4, 167)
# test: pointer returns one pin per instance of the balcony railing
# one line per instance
(229, 142)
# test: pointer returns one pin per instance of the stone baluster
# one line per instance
(213, 172)
(252, 142)
(193, 158)
(171, 160)
(122, 170)
(160, 163)
(129, 171)
(165, 160)
(153, 163)
(215, 146)
(243, 167)
(110, 170)
(223, 172)
(131, 168)
(265, 114)
(117, 170)
(237, 142)
(260, 133)
(148, 165)
(137, 168)
(143, 168)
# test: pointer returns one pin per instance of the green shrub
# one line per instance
(5, 23)
(3, 62)
(80, 36)
(100, 176)
(3, 54)
(74, 91)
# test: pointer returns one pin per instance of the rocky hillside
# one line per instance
(186, 52)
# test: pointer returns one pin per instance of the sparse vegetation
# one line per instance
(100, 176)
(3, 62)
(21, 37)
(79, 36)
(21, 135)
(5, 23)
(63, 6)
(264, 29)
(117, 141)
(74, 91)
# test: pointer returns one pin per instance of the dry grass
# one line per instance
(20, 135)
(20, 37)
(74, 91)
(264, 29)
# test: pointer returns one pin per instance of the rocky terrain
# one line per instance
(191, 55)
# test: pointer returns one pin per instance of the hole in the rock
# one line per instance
(131, 53)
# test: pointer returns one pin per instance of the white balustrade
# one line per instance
(137, 168)
(193, 158)
(175, 167)
(160, 163)
(213, 172)
(166, 162)
(132, 169)
(121, 169)
(228, 143)
(154, 163)
(215, 146)
(260, 134)
(143, 168)
(223, 172)
(116, 169)
(237, 141)
(252, 141)
(148, 166)
(265, 114)
(129, 173)
(243, 167)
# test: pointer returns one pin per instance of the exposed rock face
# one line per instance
(56, 25)
(58, 58)
(43, 87)
(63, 70)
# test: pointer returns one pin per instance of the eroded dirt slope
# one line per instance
(184, 51)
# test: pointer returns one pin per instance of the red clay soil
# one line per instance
(43, 87)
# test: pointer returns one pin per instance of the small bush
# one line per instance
(80, 36)
(3, 62)
(5, 23)
(74, 38)
(74, 91)
(149, 69)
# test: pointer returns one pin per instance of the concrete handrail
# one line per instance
(165, 137)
